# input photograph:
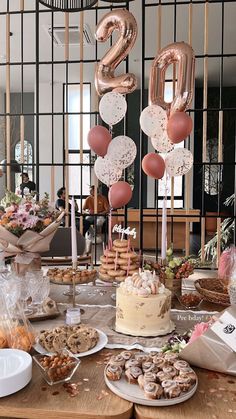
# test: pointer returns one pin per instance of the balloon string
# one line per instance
(109, 229)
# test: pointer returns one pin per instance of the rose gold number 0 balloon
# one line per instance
(182, 54)
(125, 23)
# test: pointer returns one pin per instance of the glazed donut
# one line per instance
(131, 267)
(105, 259)
(105, 277)
(121, 261)
(118, 272)
(108, 266)
(120, 249)
(109, 254)
(102, 270)
(128, 255)
(120, 243)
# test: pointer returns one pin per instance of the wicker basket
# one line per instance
(212, 290)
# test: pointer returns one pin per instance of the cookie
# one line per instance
(59, 342)
(78, 342)
(47, 343)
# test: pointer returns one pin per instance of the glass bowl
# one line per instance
(189, 300)
(57, 368)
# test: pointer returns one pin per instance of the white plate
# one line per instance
(15, 370)
(102, 341)
(133, 393)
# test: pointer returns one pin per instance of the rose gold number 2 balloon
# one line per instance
(182, 54)
(105, 81)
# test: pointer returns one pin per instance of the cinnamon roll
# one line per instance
(170, 371)
(126, 355)
(159, 362)
(132, 374)
(171, 358)
(184, 382)
(142, 357)
(148, 377)
(113, 372)
(132, 363)
(117, 360)
(180, 365)
(149, 366)
(162, 376)
(171, 389)
(188, 372)
(152, 391)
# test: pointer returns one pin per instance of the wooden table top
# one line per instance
(215, 397)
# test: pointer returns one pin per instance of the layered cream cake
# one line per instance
(143, 306)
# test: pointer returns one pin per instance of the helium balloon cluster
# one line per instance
(165, 123)
(114, 155)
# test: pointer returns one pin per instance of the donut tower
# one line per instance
(118, 262)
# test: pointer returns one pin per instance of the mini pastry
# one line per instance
(132, 363)
(184, 382)
(148, 377)
(117, 360)
(126, 355)
(142, 357)
(171, 371)
(162, 376)
(171, 358)
(149, 366)
(188, 372)
(113, 372)
(132, 374)
(171, 389)
(159, 362)
(152, 391)
(180, 365)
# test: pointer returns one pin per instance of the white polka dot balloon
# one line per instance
(153, 121)
(162, 145)
(122, 151)
(178, 162)
(112, 108)
(106, 171)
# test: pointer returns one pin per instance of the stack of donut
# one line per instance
(118, 262)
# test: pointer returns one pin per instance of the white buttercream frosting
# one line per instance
(143, 284)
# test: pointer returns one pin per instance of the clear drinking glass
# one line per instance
(25, 295)
(39, 290)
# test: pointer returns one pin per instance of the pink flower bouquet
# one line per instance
(27, 228)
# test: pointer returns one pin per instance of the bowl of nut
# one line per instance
(57, 368)
(190, 300)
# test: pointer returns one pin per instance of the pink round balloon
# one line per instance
(99, 139)
(179, 127)
(153, 165)
(119, 194)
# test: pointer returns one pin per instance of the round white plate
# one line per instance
(15, 370)
(102, 341)
(133, 393)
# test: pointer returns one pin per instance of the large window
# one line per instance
(28, 160)
(79, 177)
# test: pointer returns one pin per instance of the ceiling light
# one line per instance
(68, 5)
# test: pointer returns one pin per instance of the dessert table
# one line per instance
(88, 397)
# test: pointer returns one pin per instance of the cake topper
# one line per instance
(118, 229)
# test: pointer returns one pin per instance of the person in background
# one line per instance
(61, 206)
(27, 186)
(102, 211)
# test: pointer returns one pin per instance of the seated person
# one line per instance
(61, 206)
(27, 186)
(102, 209)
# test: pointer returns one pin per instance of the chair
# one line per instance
(60, 249)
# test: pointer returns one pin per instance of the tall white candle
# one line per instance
(73, 234)
(164, 230)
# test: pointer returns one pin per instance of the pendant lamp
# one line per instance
(68, 5)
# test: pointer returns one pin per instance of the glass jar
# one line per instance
(73, 316)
